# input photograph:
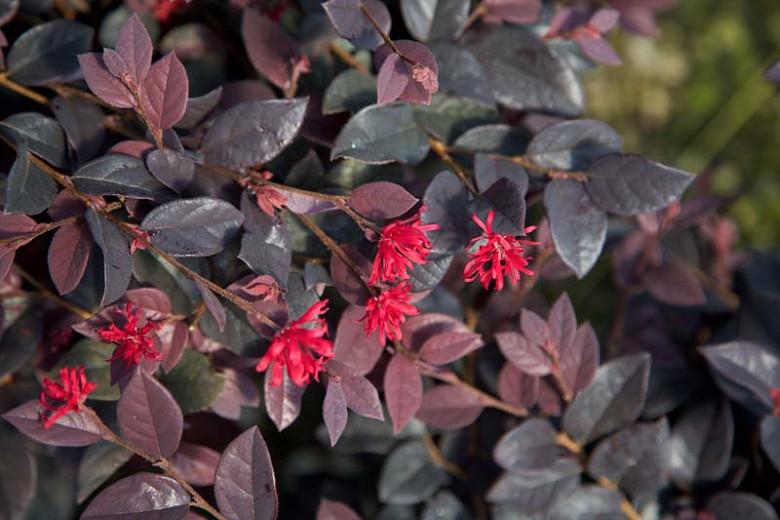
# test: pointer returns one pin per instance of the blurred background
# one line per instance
(695, 98)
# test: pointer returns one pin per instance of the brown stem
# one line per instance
(13, 86)
(552, 173)
(440, 149)
(347, 58)
(68, 91)
(626, 507)
(567, 442)
(362, 222)
(164, 464)
(438, 458)
(475, 15)
(336, 249)
(49, 295)
(488, 400)
(378, 28)
(560, 382)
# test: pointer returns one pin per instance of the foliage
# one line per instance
(355, 247)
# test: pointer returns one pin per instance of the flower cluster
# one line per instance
(300, 348)
(269, 198)
(59, 399)
(402, 245)
(132, 340)
(498, 255)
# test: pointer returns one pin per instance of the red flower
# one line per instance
(269, 198)
(500, 255)
(775, 394)
(300, 347)
(401, 245)
(387, 312)
(59, 399)
(132, 340)
(165, 9)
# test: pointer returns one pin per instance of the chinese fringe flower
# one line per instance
(500, 255)
(268, 198)
(300, 348)
(425, 77)
(775, 394)
(401, 245)
(165, 9)
(59, 399)
(387, 312)
(133, 341)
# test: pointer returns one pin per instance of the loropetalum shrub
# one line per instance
(389, 209)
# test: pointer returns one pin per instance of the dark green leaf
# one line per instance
(37, 133)
(93, 356)
(20, 341)
(29, 189)
(573, 145)
(350, 91)
(193, 382)
(408, 476)
(98, 463)
(120, 175)
(117, 262)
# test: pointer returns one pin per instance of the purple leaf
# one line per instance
(143, 495)
(303, 204)
(239, 390)
(530, 446)
(516, 387)
(74, 429)
(245, 486)
(562, 322)
(598, 49)
(674, 283)
(331, 510)
(68, 256)
(418, 329)
(534, 328)
(165, 91)
(134, 45)
(362, 397)
(334, 410)
(512, 11)
(174, 339)
(580, 359)
(352, 346)
(283, 402)
(272, 51)
(403, 391)
(604, 19)
(149, 416)
(102, 83)
(526, 356)
(449, 407)
(352, 287)
(419, 78)
(449, 346)
(213, 305)
(196, 464)
(353, 25)
(381, 200)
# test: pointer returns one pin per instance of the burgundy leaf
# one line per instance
(420, 76)
(143, 495)
(134, 45)
(352, 287)
(196, 464)
(562, 322)
(381, 200)
(674, 283)
(174, 338)
(391, 80)
(352, 346)
(102, 83)
(74, 429)
(449, 407)
(151, 299)
(283, 402)
(334, 410)
(65, 205)
(580, 360)
(272, 51)
(238, 390)
(331, 510)
(512, 11)
(245, 486)
(403, 391)
(450, 346)
(516, 387)
(534, 328)
(165, 91)
(418, 329)
(213, 305)
(68, 255)
(149, 416)
(526, 356)
(530, 446)
(136, 149)
(362, 397)
(303, 204)
(598, 49)
(352, 24)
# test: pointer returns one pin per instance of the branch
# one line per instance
(82, 313)
(440, 149)
(13, 86)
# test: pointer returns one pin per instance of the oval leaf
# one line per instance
(143, 495)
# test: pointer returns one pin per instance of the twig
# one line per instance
(347, 58)
(49, 295)
(438, 458)
(378, 28)
(552, 173)
(440, 149)
(13, 86)
(626, 507)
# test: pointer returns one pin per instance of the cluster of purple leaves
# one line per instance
(506, 401)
